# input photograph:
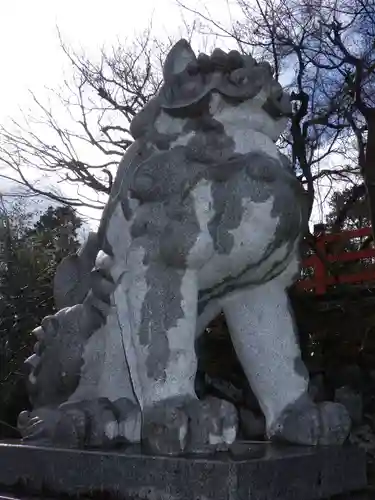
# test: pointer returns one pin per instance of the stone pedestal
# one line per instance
(250, 471)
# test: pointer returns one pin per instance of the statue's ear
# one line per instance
(180, 55)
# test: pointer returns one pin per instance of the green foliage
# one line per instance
(356, 217)
(27, 266)
(357, 211)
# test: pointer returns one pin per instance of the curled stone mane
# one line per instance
(233, 75)
(190, 80)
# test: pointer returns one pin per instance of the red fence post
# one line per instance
(320, 272)
(321, 278)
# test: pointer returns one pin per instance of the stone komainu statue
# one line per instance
(205, 216)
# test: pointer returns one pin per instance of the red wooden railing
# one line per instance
(322, 278)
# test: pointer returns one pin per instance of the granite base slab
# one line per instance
(248, 471)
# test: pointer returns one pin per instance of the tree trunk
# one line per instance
(368, 169)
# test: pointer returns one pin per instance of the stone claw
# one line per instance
(165, 429)
(129, 420)
(213, 424)
(39, 333)
(313, 424)
(39, 426)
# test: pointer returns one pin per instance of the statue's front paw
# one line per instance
(313, 424)
(199, 426)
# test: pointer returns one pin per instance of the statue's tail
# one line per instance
(72, 278)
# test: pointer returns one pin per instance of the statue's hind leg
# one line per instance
(263, 334)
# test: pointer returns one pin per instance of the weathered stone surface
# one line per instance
(250, 471)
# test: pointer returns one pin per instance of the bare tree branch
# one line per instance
(78, 136)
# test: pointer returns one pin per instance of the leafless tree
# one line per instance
(79, 135)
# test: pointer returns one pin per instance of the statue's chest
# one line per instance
(216, 218)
